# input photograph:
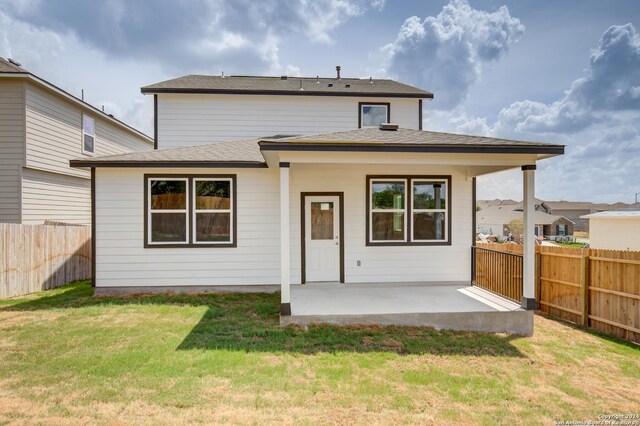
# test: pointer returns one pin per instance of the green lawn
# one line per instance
(572, 245)
(69, 358)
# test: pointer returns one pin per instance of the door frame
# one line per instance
(340, 195)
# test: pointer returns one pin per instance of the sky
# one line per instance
(553, 71)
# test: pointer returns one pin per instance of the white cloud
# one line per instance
(447, 54)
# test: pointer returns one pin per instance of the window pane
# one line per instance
(167, 227)
(429, 195)
(88, 125)
(168, 195)
(213, 195)
(387, 226)
(321, 221)
(428, 226)
(213, 227)
(387, 195)
(88, 143)
(373, 115)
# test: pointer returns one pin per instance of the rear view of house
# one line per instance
(42, 127)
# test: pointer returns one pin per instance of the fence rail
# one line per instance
(497, 271)
(40, 257)
(596, 288)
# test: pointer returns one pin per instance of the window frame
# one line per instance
(409, 210)
(361, 115)
(190, 237)
(195, 211)
(445, 210)
(84, 151)
(371, 211)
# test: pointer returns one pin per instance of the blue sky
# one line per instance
(565, 72)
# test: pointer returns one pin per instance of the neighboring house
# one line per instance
(495, 220)
(42, 127)
(574, 210)
(615, 230)
(199, 109)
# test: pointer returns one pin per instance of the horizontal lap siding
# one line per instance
(11, 148)
(185, 120)
(122, 259)
(384, 264)
(56, 197)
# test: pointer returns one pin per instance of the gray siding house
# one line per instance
(42, 127)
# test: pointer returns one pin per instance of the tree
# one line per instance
(516, 227)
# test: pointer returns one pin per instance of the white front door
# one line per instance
(322, 238)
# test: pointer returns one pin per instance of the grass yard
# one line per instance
(571, 245)
(69, 358)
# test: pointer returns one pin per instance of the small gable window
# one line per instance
(373, 114)
(88, 134)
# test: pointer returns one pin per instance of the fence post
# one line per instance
(584, 288)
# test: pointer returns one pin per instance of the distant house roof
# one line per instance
(366, 140)
(625, 213)
(502, 215)
(304, 86)
(12, 70)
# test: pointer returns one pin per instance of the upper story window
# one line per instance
(88, 134)
(373, 114)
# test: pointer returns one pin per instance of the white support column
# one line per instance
(529, 254)
(285, 284)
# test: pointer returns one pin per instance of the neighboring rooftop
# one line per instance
(628, 212)
(248, 153)
(9, 66)
(497, 215)
(285, 85)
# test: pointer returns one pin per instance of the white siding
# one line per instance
(57, 197)
(11, 148)
(54, 133)
(122, 259)
(192, 119)
(614, 234)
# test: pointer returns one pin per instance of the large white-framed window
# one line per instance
(212, 210)
(408, 210)
(429, 210)
(167, 211)
(373, 114)
(88, 135)
(388, 210)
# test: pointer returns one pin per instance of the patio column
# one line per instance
(529, 253)
(285, 291)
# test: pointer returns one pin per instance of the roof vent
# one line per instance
(317, 79)
(330, 84)
(283, 77)
(16, 63)
(347, 85)
(388, 126)
(370, 80)
(338, 72)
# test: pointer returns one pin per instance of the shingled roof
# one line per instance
(248, 153)
(9, 67)
(309, 86)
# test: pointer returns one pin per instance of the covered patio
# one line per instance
(442, 305)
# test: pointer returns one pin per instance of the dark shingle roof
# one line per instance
(248, 153)
(8, 67)
(287, 86)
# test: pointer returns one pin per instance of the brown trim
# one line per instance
(190, 177)
(93, 227)
(155, 121)
(529, 167)
(184, 164)
(340, 195)
(284, 164)
(419, 114)
(285, 309)
(425, 95)
(474, 202)
(360, 104)
(388, 147)
(409, 213)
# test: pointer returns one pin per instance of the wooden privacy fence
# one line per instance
(596, 288)
(40, 257)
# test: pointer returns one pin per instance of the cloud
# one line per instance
(240, 36)
(447, 53)
(610, 89)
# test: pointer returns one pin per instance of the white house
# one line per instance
(42, 127)
(379, 208)
(615, 229)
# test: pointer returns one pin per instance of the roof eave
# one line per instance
(155, 91)
(151, 164)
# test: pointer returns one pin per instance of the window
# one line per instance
(373, 114)
(397, 218)
(561, 230)
(88, 134)
(190, 211)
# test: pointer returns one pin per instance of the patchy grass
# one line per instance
(69, 358)
(571, 245)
